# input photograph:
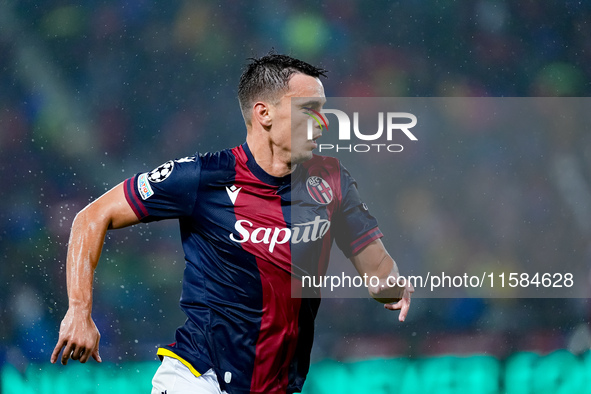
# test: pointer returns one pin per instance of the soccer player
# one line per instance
(254, 220)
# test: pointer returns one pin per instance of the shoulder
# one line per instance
(223, 159)
(188, 168)
(323, 164)
(215, 166)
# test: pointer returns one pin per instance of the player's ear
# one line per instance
(261, 114)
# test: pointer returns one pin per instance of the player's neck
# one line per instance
(271, 159)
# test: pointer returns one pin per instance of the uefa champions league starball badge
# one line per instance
(161, 173)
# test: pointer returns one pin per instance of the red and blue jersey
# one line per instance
(248, 238)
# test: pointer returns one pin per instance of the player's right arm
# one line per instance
(78, 335)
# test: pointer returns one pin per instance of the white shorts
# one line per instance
(173, 377)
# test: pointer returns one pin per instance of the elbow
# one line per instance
(91, 219)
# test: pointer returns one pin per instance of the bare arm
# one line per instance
(374, 260)
(78, 334)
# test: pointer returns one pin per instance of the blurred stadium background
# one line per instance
(92, 92)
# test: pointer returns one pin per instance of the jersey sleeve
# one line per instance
(356, 227)
(169, 191)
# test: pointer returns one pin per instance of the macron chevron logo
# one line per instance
(233, 193)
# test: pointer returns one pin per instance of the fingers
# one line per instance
(85, 356)
(67, 352)
(403, 305)
(404, 309)
(56, 351)
(394, 307)
(78, 353)
(74, 352)
(96, 355)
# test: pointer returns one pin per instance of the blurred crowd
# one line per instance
(93, 92)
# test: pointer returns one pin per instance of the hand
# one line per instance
(404, 303)
(79, 338)
(394, 297)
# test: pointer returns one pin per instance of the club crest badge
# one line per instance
(319, 190)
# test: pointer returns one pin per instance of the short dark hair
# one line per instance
(267, 76)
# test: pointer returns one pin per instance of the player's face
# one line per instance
(290, 121)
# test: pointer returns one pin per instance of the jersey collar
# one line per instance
(263, 175)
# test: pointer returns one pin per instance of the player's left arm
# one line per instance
(374, 260)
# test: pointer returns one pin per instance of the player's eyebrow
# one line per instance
(313, 104)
